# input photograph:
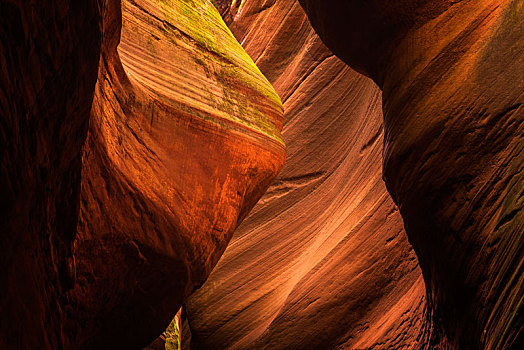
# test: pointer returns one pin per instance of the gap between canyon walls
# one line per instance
(322, 261)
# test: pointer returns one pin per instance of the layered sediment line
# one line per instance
(184, 139)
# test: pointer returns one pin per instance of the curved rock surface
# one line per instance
(322, 261)
(184, 138)
(453, 96)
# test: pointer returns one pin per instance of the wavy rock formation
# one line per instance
(183, 140)
(453, 93)
(48, 67)
(136, 135)
(322, 261)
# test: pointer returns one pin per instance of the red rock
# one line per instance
(183, 139)
(451, 75)
(322, 261)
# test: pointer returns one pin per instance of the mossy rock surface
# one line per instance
(172, 335)
(190, 57)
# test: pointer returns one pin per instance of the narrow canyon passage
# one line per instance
(280, 174)
(322, 261)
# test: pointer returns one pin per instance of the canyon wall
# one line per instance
(451, 75)
(183, 139)
(48, 68)
(322, 261)
(135, 136)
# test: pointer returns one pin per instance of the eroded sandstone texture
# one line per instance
(322, 261)
(453, 89)
(183, 139)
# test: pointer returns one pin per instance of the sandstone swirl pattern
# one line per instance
(322, 261)
(184, 137)
(451, 75)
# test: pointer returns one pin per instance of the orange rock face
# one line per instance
(453, 149)
(183, 141)
(322, 261)
(136, 135)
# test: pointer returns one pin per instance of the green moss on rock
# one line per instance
(200, 21)
(172, 335)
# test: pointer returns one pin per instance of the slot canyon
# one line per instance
(262, 174)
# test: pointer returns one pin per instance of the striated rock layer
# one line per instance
(322, 261)
(453, 93)
(183, 139)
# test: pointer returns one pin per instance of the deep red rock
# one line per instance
(48, 66)
(183, 141)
